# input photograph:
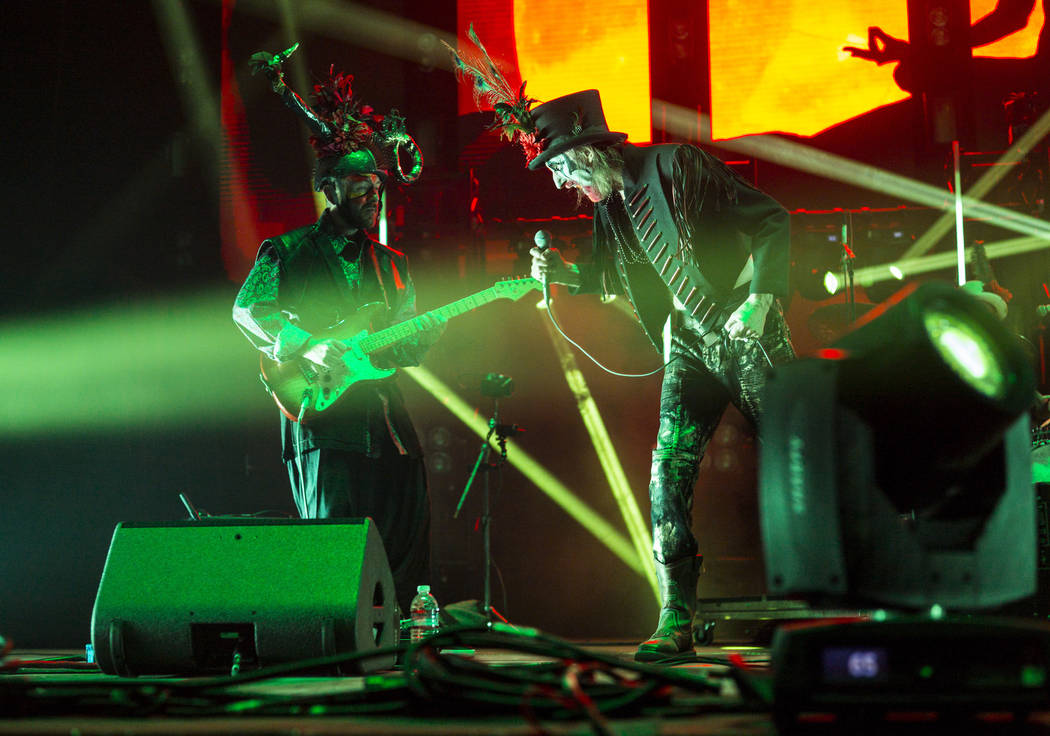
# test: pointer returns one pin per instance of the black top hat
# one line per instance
(570, 121)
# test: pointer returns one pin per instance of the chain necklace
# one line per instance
(629, 250)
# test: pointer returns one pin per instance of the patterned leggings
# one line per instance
(698, 384)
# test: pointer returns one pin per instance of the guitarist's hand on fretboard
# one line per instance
(429, 321)
(330, 365)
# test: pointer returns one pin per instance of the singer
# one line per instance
(703, 257)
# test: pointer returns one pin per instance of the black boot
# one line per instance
(674, 631)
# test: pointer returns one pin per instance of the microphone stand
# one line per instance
(847, 268)
(494, 386)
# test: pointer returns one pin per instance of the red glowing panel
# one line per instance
(778, 65)
(604, 44)
(832, 354)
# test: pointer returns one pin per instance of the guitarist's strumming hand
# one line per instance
(325, 354)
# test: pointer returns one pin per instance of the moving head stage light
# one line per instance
(895, 470)
(896, 467)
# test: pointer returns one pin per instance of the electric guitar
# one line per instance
(298, 386)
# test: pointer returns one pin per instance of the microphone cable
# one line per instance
(543, 239)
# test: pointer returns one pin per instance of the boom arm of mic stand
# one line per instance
(473, 473)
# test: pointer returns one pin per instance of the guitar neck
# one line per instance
(404, 330)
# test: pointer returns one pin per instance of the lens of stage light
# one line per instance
(968, 351)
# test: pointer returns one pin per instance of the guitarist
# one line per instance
(703, 257)
(361, 456)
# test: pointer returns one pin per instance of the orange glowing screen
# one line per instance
(1019, 44)
(778, 65)
(565, 47)
(560, 47)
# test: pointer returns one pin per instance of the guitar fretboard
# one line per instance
(404, 330)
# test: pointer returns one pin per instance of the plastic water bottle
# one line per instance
(424, 614)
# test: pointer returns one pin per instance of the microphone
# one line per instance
(542, 238)
(497, 385)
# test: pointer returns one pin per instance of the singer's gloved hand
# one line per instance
(749, 320)
(548, 265)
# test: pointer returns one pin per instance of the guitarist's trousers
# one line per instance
(390, 489)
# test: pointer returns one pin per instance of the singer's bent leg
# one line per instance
(692, 400)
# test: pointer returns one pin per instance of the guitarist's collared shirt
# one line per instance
(277, 313)
(349, 253)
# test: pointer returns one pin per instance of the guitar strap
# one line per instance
(378, 272)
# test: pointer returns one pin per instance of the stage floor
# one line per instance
(723, 690)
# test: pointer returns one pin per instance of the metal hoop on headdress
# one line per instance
(414, 151)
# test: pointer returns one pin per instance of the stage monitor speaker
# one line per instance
(196, 597)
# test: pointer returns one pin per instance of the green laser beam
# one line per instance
(119, 366)
(366, 27)
(912, 266)
(983, 185)
(683, 121)
(583, 514)
(606, 452)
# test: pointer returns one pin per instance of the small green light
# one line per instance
(926, 672)
(831, 282)
(1033, 676)
(968, 350)
(936, 611)
(242, 705)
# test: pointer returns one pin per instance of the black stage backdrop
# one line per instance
(125, 383)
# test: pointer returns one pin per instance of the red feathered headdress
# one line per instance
(493, 92)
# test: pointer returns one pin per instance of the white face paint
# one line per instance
(569, 174)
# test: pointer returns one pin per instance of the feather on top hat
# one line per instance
(348, 137)
(544, 131)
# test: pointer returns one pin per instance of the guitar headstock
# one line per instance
(516, 288)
